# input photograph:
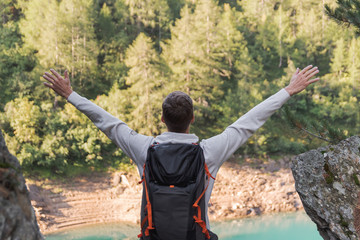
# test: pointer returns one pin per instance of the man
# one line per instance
(178, 116)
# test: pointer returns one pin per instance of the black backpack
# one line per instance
(173, 202)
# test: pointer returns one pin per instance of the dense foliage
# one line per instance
(346, 12)
(128, 55)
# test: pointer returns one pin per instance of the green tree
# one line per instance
(147, 72)
(78, 45)
(193, 55)
(343, 92)
(346, 12)
(41, 31)
(15, 61)
(175, 7)
(63, 36)
(240, 72)
(114, 34)
(152, 17)
(42, 137)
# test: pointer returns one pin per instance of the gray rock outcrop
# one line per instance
(328, 183)
(17, 216)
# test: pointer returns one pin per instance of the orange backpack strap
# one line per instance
(197, 218)
(148, 217)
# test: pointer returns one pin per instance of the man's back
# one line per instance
(216, 149)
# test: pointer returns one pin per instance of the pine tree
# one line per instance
(193, 54)
(240, 72)
(152, 17)
(175, 7)
(63, 36)
(262, 18)
(78, 46)
(106, 27)
(338, 61)
(346, 12)
(15, 61)
(145, 78)
(354, 65)
(41, 31)
(114, 33)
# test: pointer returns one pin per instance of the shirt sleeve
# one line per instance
(133, 144)
(220, 147)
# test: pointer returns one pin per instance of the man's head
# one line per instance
(178, 112)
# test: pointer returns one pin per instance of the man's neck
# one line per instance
(186, 132)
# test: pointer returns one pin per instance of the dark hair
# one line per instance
(178, 111)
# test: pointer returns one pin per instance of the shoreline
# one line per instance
(240, 191)
(136, 225)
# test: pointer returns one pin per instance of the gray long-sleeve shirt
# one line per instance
(216, 149)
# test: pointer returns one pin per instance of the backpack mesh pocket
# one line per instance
(172, 211)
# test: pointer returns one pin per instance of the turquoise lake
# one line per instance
(293, 226)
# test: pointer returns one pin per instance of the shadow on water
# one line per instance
(294, 226)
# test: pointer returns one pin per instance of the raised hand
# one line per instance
(57, 83)
(301, 79)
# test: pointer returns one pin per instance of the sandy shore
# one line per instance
(240, 191)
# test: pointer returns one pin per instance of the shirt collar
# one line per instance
(173, 137)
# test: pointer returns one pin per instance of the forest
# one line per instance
(127, 55)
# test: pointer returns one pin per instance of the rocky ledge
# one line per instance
(327, 180)
(17, 217)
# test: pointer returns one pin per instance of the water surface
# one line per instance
(291, 226)
(294, 226)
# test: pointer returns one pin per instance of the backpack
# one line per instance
(173, 202)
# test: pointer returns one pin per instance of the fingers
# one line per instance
(313, 80)
(296, 72)
(314, 69)
(55, 73)
(312, 73)
(66, 74)
(300, 79)
(305, 69)
(48, 85)
(309, 72)
(50, 76)
(49, 79)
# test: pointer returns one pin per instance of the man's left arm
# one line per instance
(219, 148)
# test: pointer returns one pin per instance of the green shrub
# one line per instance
(41, 136)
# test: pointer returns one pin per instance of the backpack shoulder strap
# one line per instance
(197, 217)
(148, 217)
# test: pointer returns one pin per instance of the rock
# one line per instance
(124, 181)
(17, 216)
(327, 180)
(254, 211)
(116, 179)
(272, 166)
(120, 179)
(119, 190)
(235, 206)
(121, 183)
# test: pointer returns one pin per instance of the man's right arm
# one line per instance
(133, 144)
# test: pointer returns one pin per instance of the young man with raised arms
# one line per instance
(178, 115)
